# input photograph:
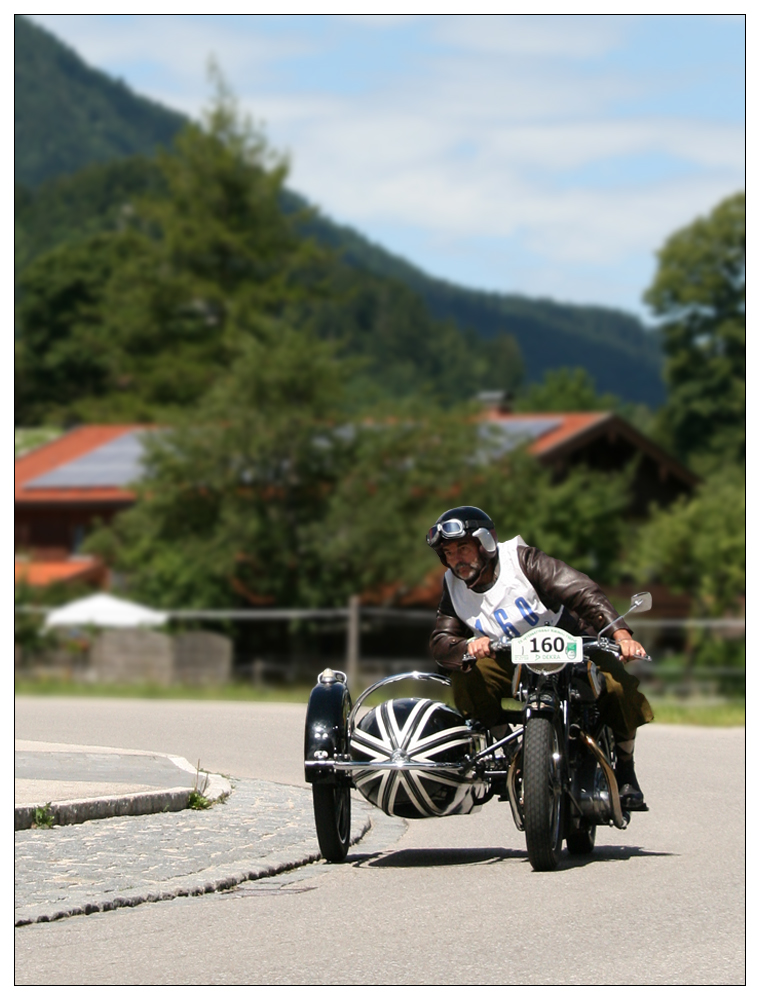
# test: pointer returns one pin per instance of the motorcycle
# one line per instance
(419, 758)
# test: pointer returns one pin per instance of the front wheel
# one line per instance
(542, 793)
(332, 816)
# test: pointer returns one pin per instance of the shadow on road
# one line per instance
(611, 853)
(443, 858)
(437, 858)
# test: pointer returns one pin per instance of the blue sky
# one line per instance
(549, 155)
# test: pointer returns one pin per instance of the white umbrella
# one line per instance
(106, 612)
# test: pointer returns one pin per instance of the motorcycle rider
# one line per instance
(494, 588)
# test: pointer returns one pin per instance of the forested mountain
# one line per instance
(550, 334)
(75, 128)
(68, 115)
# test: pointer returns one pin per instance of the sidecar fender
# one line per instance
(326, 732)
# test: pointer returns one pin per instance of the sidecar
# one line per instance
(411, 757)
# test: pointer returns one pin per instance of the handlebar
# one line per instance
(589, 642)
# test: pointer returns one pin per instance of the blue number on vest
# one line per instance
(479, 627)
(525, 610)
(508, 629)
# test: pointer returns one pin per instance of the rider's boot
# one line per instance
(631, 795)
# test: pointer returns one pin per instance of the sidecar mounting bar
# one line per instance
(386, 765)
(509, 738)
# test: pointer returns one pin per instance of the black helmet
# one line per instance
(461, 521)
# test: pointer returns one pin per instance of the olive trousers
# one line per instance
(478, 694)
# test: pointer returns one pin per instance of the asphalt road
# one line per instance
(445, 902)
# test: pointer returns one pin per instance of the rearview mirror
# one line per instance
(640, 602)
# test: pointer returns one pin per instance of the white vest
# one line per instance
(510, 607)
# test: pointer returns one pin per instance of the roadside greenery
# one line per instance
(699, 296)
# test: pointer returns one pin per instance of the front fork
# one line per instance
(546, 702)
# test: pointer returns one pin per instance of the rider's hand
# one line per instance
(478, 648)
(629, 647)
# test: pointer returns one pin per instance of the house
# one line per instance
(63, 488)
(603, 441)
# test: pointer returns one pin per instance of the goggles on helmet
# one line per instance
(451, 528)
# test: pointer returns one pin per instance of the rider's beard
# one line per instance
(468, 570)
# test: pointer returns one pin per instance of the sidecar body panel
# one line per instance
(416, 734)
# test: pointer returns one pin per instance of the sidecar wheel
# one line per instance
(543, 793)
(332, 816)
(582, 840)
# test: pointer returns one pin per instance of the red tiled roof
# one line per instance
(65, 449)
(42, 574)
(571, 424)
(576, 429)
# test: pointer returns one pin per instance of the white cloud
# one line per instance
(180, 47)
(530, 36)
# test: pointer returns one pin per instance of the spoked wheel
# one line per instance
(542, 793)
(332, 816)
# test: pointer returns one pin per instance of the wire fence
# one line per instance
(691, 656)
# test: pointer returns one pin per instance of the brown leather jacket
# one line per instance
(556, 583)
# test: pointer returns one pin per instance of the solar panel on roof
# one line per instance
(117, 463)
(506, 435)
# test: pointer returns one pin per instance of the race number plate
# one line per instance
(547, 644)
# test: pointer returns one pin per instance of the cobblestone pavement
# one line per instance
(262, 829)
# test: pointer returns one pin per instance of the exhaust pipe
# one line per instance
(617, 813)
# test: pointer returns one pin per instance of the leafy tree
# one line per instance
(137, 324)
(268, 495)
(64, 353)
(98, 198)
(581, 520)
(697, 546)
(565, 390)
(699, 295)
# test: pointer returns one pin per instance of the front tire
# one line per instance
(332, 817)
(542, 793)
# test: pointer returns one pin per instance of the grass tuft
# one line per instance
(43, 817)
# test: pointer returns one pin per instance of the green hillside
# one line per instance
(76, 130)
(550, 334)
(68, 115)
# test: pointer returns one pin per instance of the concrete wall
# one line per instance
(124, 656)
(202, 658)
(132, 654)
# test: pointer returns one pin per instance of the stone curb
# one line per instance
(214, 787)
